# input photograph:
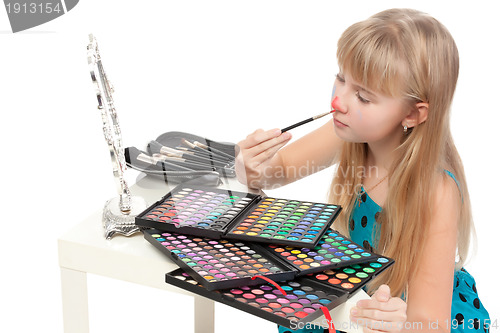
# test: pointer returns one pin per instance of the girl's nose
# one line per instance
(336, 104)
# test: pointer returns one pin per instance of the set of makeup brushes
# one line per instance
(191, 156)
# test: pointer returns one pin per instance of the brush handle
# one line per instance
(213, 150)
(197, 151)
(300, 123)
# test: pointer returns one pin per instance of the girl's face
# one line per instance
(365, 116)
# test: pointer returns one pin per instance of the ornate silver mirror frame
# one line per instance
(119, 213)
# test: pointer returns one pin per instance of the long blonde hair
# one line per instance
(409, 54)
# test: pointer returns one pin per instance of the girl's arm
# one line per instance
(431, 290)
(428, 307)
(263, 163)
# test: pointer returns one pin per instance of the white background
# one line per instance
(219, 69)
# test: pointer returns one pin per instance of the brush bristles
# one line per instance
(187, 143)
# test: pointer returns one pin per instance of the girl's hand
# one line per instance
(257, 158)
(381, 313)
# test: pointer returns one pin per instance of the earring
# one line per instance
(405, 129)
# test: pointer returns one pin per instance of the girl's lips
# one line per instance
(339, 123)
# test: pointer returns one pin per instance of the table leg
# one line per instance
(203, 315)
(75, 301)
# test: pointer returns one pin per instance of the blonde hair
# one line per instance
(405, 53)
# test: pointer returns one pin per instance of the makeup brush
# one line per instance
(197, 151)
(134, 155)
(300, 123)
(207, 149)
(182, 161)
(227, 170)
(203, 152)
(156, 147)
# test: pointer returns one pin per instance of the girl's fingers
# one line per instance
(373, 326)
(264, 141)
(254, 151)
(390, 324)
(260, 141)
(258, 137)
(383, 293)
(381, 300)
(379, 315)
(394, 304)
(268, 149)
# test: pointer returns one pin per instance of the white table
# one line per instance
(83, 249)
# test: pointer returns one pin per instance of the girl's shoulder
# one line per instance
(447, 202)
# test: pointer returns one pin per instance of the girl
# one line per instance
(399, 176)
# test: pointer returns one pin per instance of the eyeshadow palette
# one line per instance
(333, 250)
(282, 221)
(218, 264)
(353, 277)
(197, 211)
(219, 213)
(302, 302)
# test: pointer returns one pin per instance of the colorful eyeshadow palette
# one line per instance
(281, 221)
(333, 250)
(352, 277)
(301, 304)
(219, 213)
(197, 211)
(218, 264)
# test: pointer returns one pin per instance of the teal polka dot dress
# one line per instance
(467, 313)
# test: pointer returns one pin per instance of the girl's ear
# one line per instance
(417, 115)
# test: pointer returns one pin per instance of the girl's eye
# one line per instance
(361, 99)
(340, 78)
